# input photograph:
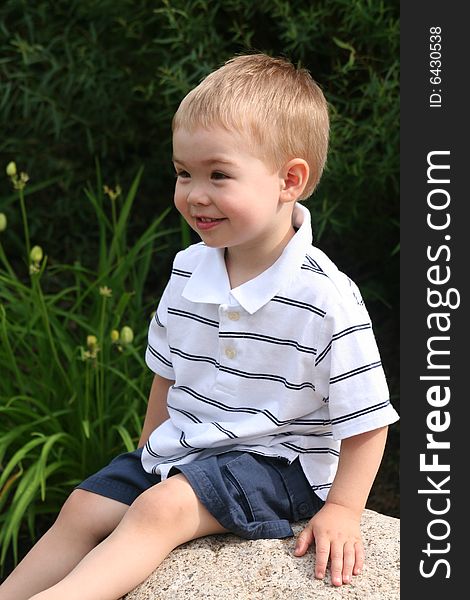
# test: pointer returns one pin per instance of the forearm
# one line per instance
(360, 458)
(335, 528)
(157, 411)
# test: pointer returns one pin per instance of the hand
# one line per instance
(337, 535)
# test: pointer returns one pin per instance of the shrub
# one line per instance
(84, 79)
(74, 383)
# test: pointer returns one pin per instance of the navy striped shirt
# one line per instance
(284, 365)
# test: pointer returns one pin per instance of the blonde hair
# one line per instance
(278, 106)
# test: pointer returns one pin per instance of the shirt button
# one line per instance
(303, 508)
(233, 315)
(230, 353)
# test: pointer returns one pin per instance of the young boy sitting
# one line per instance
(269, 403)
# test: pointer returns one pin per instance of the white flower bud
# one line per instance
(91, 341)
(36, 254)
(127, 335)
(11, 169)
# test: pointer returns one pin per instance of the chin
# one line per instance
(211, 244)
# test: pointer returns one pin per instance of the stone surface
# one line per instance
(226, 567)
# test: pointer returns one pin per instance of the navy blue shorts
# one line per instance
(250, 495)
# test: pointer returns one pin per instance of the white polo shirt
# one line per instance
(284, 365)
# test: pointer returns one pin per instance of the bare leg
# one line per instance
(163, 517)
(84, 521)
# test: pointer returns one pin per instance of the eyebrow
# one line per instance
(208, 161)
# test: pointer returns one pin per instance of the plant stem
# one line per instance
(115, 231)
(45, 317)
(85, 415)
(4, 259)
(25, 224)
(100, 391)
(9, 351)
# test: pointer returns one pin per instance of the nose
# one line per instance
(198, 196)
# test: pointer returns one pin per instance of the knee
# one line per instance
(81, 513)
(164, 504)
(76, 506)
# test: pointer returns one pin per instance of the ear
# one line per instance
(294, 176)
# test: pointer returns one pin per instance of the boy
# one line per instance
(269, 403)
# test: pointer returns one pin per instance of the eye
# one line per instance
(219, 175)
(182, 174)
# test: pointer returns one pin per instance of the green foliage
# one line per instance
(74, 384)
(97, 81)
(82, 79)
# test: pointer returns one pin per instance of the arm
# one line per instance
(157, 411)
(336, 526)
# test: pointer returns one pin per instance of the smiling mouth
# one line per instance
(206, 223)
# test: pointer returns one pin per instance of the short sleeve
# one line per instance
(349, 370)
(157, 355)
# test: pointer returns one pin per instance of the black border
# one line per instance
(424, 129)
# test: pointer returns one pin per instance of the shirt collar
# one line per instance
(209, 281)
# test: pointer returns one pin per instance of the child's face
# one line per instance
(227, 195)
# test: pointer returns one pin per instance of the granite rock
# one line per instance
(226, 567)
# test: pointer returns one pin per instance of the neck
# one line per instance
(244, 264)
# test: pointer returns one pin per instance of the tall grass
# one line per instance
(73, 382)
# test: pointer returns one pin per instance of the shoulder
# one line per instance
(187, 260)
(332, 287)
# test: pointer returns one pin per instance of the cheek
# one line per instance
(179, 201)
(266, 190)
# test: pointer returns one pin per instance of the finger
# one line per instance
(322, 553)
(359, 558)
(349, 561)
(303, 542)
(336, 560)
